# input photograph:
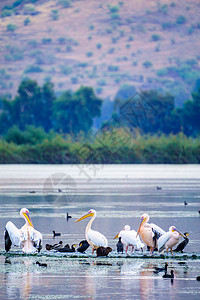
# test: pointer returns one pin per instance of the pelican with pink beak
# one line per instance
(169, 239)
(148, 231)
(27, 237)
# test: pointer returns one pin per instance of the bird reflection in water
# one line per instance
(96, 278)
(20, 284)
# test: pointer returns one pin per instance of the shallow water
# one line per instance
(120, 194)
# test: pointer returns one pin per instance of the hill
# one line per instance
(104, 44)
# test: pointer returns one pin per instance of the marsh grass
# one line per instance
(123, 147)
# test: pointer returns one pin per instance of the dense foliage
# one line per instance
(38, 106)
(37, 147)
(38, 127)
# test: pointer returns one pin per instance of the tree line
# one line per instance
(74, 113)
(39, 107)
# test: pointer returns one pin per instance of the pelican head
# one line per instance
(143, 219)
(174, 229)
(127, 228)
(24, 213)
(90, 213)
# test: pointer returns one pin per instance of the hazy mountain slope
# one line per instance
(104, 44)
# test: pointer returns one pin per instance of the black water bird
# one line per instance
(68, 249)
(41, 264)
(98, 263)
(181, 263)
(158, 188)
(156, 236)
(7, 261)
(120, 246)
(161, 269)
(198, 278)
(49, 247)
(56, 233)
(58, 246)
(38, 246)
(59, 190)
(199, 212)
(7, 239)
(183, 244)
(32, 192)
(185, 203)
(68, 217)
(54, 246)
(169, 275)
(83, 245)
(103, 251)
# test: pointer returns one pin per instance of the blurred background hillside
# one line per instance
(67, 68)
(103, 44)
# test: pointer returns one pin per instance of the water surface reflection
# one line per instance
(112, 277)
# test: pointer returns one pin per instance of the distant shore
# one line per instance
(58, 179)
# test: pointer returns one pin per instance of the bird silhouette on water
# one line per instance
(120, 246)
(183, 244)
(58, 246)
(169, 275)
(185, 203)
(56, 233)
(158, 188)
(160, 269)
(41, 264)
(68, 217)
(67, 248)
(54, 246)
(83, 245)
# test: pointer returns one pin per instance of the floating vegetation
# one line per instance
(113, 255)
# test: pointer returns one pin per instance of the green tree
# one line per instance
(6, 120)
(32, 106)
(150, 111)
(164, 117)
(191, 115)
(48, 98)
(75, 112)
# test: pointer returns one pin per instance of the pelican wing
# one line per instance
(128, 237)
(97, 238)
(36, 238)
(157, 229)
(12, 235)
(163, 240)
(140, 245)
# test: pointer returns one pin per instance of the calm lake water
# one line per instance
(119, 194)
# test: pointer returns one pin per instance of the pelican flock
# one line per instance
(27, 237)
(154, 237)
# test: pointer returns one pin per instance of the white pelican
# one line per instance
(169, 239)
(129, 238)
(27, 237)
(94, 238)
(149, 232)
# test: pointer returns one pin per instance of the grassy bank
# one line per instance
(123, 148)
